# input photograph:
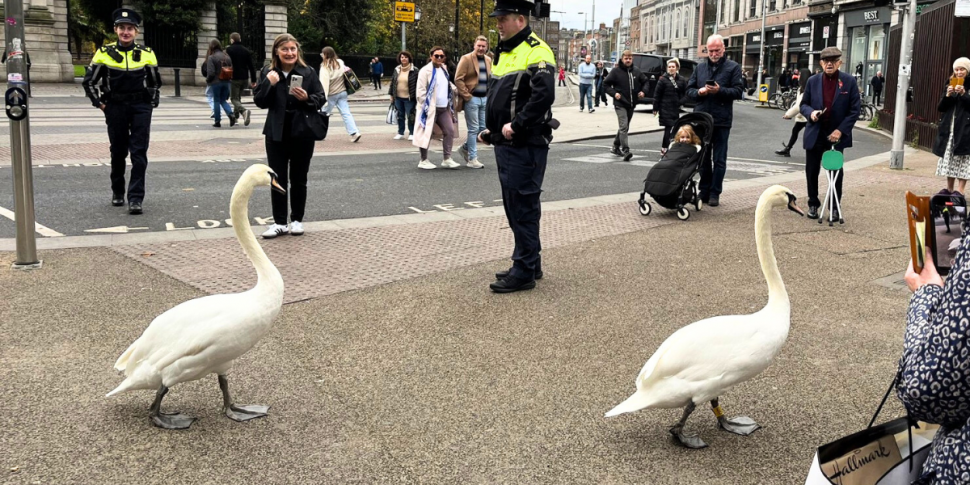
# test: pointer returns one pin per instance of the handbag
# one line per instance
(391, 118)
(350, 81)
(891, 453)
(225, 74)
(310, 124)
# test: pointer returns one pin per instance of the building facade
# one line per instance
(668, 27)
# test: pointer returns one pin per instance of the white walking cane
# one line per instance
(832, 161)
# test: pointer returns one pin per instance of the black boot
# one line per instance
(785, 152)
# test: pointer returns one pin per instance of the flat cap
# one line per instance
(505, 7)
(830, 53)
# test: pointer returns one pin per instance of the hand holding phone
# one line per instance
(711, 82)
(296, 81)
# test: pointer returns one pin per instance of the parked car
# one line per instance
(654, 66)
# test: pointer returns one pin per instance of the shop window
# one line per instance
(877, 41)
(857, 55)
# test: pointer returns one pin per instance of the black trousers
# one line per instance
(795, 130)
(377, 80)
(876, 94)
(290, 159)
(668, 134)
(520, 172)
(813, 165)
(601, 95)
(129, 126)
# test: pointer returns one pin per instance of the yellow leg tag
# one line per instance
(718, 412)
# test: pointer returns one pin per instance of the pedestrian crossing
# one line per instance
(649, 158)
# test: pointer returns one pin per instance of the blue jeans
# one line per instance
(339, 101)
(219, 96)
(585, 94)
(715, 163)
(475, 119)
(405, 109)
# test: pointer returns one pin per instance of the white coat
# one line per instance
(423, 134)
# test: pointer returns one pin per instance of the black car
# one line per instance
(655, 66)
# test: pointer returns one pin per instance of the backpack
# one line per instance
(225, 74)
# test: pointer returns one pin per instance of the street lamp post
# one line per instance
(761, 56)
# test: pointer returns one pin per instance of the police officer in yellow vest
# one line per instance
(518, 122)
(123, 82)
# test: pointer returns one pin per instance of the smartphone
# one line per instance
(296, 81)
(947, 215)
(711, 82)
(956, 81)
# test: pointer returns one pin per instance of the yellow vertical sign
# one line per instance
(403, 11)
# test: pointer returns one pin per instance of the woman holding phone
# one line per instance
(292, 93)
(953, 142)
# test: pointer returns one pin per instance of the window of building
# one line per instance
(772, 5)
(752, 6)
(687, 22)
(877, 41)
(737, 10)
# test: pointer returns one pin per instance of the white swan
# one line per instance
(205, 335)
(702, 360)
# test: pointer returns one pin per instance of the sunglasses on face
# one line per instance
(439, 56)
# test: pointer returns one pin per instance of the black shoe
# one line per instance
(812, 212)
(512, 284)
(217, 124)
(501, 275)
(134, 208)
(706, 199)
(835, 215)
(616, 151)
(627, 157)
(232, 121)
(117, 200)
(713, 202)
(785, 152)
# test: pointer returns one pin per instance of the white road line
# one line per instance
(43, 230)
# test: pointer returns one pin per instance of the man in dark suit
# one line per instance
(877, 82)
(831, 105)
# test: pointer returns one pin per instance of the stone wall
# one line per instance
(45, 32)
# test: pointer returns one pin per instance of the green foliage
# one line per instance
(179, 15)
(90, 22)
(915, 139)
(79, 71)
(874, 124)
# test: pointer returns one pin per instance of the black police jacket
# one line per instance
(521, 91)
(280, 103)
(122, 74)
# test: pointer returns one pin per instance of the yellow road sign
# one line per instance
(403, 11)
(763, 93)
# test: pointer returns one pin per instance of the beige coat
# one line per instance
(466, 77)
(423, 134)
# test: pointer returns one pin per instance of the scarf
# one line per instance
(427, 98)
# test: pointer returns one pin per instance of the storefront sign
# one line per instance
(868, 16)
(806, 30)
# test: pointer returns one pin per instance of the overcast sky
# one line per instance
(606, 11)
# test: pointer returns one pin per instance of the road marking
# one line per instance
(42, 229)
(117, 229)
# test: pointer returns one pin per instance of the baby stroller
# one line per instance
(673, 181)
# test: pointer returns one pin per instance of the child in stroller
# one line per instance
(672, 181)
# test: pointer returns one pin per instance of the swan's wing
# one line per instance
(700, 350)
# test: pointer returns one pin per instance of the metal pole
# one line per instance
(404, 42)
(902, 85)
(455, 52)
(761, 52)
(481, 19)
(23, 179)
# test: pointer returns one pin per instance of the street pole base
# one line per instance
(27, 266)
(896, 159)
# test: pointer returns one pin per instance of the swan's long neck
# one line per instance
(777, 295)
(267, 274)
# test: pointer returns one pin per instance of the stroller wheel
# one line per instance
(698, 204)
(683, 214)
(645, 208)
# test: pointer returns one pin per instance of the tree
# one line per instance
(177, 15)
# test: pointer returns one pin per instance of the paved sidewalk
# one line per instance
(393, 363)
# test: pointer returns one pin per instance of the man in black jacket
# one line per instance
(715, 85)
(877, 82)
(242, 63)
(625, 84)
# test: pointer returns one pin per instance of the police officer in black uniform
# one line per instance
(123, 82)
(518, 122)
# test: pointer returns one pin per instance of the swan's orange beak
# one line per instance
(276, 186)
(792, 206)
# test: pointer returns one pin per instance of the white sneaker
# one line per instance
(463, 150)
(355, 137)
(449, 163)
(398, 137)
(410, 137)
(474, 164)
(296, 228)
(275, 230)
(426, 165)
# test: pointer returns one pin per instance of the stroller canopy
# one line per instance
(701, 123)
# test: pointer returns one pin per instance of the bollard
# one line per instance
(178, 90)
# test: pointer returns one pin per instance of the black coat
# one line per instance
(669, 97)
(619, 81)
(877, 83)
(242, 63)
(960, 107)
(720, 106)
(412, 83)
(278, 100)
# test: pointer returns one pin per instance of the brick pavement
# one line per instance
(328, 262)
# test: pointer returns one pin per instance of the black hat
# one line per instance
(505, 7)
(126, 16)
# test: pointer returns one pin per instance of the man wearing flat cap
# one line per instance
(831, 105)
(123, 82)
(518, 122)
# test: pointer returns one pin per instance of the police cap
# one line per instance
(126, 16)
(505, 7)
